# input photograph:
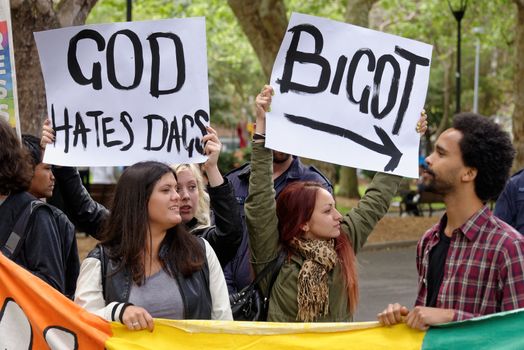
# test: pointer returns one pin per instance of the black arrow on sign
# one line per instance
(387, 147)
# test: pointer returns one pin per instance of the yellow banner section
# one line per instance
(216, 335)
(33, 315)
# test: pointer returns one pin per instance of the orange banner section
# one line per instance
(34, 315)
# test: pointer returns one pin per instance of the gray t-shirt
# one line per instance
(160, 296)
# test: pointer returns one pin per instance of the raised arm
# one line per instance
(260, 206)
(225, 236)
(359, 222)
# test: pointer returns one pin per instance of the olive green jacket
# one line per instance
(264, 240)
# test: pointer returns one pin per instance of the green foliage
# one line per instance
(231, 160)
(431, 21)
(329, 9)
(235, 74)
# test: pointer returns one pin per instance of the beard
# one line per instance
(435, 184)
(279, 157)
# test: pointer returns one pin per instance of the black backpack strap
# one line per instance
(277, 265)
(276, 269)
(16, 238)
(273, 267)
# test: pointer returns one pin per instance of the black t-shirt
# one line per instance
(437, 262)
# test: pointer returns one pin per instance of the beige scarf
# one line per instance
(313, 290)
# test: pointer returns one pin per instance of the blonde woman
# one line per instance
(195, 203)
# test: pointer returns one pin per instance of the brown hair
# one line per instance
(16, 169)
(295, 206)
(126, 230)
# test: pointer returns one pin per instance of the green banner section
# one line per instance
(497, 331)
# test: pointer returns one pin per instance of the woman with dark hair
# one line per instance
(148, 265)
(318, 280)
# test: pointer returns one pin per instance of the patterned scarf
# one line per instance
(313, 290)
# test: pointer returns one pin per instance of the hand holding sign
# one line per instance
(48, 134)
(262, 104)
(422, 124)
(212, 151)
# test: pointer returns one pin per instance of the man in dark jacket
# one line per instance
(38, 248)
(510, 204)
(286, 169)
(42, 185)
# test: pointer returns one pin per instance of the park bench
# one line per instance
(426, 201)
(102, 193)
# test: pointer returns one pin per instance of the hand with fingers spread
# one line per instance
(263, 103)
(393, 314)
(137, 318)
(48, 134)
(422, 124)
(212, 147)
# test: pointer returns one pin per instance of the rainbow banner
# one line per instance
(8, 95)
(35, 316)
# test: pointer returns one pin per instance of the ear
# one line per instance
(469, 175)
(305, 227)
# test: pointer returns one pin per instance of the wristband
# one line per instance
(258, 136)
(122, 311)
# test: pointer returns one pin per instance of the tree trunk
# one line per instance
(518, 112)
(30, 16)
(357, 13)
(264, 22)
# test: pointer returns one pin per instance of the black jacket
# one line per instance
(226, 234)
(193, 289)
(224, 237)
(84, 212)
(49, 250)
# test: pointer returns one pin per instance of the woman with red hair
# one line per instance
(318, 280)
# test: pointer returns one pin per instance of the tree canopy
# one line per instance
(243, 38)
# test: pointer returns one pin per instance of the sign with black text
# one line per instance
(348, 95)
(126, 92)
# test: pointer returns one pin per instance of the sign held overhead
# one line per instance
(125, 92)
(357, 92)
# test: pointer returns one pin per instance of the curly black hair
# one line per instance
(15, 163)
(487, 148)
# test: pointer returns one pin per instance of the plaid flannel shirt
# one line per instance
(484, 270)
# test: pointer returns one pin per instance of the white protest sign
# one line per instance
(348, 95)
(125, 92)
